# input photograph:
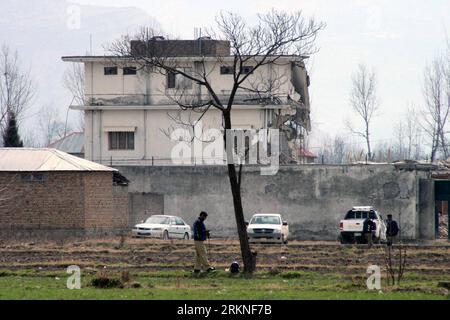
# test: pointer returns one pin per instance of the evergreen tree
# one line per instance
(11, 138)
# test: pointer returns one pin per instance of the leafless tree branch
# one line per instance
(363, 99)
(16, 87)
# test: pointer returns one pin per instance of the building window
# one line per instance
(178, 81)
(226, 70)
(127, 71)
(229, 70)
(110, 71)
(33, 177)
(171, 77)
(246, 69)
(121, 140)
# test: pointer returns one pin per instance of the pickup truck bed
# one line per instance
(352, 226)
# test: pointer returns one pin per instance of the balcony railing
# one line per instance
(160, 99)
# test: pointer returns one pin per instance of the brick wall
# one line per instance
(54, 203)
(181, 48)
(63, 203)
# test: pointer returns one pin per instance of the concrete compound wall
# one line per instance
(311, 198)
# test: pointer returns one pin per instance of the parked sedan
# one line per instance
(268, 227)
(164, 227)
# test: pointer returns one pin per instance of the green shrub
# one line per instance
(103, 281)
(5, 273)
(294, 274)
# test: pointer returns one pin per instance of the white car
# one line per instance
(268, 227)
(352, 226)
(164, 227)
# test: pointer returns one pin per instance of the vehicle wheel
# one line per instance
(166, 235)
(186, 236)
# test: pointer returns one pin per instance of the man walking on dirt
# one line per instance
(200, 236)
(391, 230)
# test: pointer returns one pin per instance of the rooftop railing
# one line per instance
(192, 99)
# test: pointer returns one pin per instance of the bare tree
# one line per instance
(408, 136)
(74, 82)
(395, 258)
(16, 86)
(274, 35)
(399, 146)
(333, 150)
(436, 109)
(340, 149)
(50, 124)
(31, 140)
(363, 99)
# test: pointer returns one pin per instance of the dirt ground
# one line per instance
(151, 254)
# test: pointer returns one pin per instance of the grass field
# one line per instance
(151, 269)
(30, 284)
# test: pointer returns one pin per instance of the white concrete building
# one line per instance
(129, 113)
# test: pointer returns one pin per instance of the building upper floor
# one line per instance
(127, 81)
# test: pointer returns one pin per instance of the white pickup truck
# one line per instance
(352, 226)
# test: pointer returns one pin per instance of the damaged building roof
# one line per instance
(31, 160)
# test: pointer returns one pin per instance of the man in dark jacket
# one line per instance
(392, 230)
(369, 228)
(200, 236)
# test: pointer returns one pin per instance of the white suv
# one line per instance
(268, 227)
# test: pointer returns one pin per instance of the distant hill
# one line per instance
(39, 30)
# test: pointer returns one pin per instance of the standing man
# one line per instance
(200, 236)
(391, 230)
(369, 228)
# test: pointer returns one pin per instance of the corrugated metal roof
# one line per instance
(31, 160)
(72, 143)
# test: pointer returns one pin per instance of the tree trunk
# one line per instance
(247, 256)
(434, 148)
(369, 151)
(444, 144)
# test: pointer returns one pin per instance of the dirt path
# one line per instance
(149, 254)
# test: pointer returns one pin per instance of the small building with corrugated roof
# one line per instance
(49, 193)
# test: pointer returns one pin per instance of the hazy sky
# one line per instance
(396, 38)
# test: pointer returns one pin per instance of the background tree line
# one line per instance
(17, 92)
(421, 132)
